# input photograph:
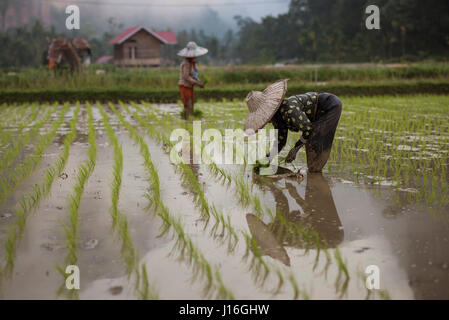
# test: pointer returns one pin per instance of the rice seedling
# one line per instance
(342, 268)
(119, 220)
(145, 291)
(71, 228)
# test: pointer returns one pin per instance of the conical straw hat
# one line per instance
(263, 105)
(192, 50)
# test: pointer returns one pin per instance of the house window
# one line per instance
(130, 49)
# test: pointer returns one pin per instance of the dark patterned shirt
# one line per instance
(296, 114)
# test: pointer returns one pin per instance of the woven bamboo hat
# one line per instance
(192, 50)
(263, 105)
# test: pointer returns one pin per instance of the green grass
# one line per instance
(171, 94)
(218, 76)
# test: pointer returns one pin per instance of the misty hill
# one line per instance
(175, 19)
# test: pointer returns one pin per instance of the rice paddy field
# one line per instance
(92, 185)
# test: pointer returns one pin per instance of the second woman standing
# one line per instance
(188, 77)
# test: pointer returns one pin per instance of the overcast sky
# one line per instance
(226, 8)
(252, 8)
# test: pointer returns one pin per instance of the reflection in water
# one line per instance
(319, 215)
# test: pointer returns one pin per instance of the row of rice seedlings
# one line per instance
(30, 202)
(184, 243)
(17, 175)
(10, 130)
(17, 116)
(13, 113)
(5, 110)
(21, 140)
(119, 220)
(257, 265)
(84, 171)
(189, 178)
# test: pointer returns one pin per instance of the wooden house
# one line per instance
(140, 46)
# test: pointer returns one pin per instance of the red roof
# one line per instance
(166, 37)
(169, 36)
(124, 35)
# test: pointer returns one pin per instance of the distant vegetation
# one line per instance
(218, 77)
(311, 31)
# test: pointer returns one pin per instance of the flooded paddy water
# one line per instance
(140, 227)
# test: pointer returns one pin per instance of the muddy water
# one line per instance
(99, 255)
(370, 226)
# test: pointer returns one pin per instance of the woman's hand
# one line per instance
(292, 154)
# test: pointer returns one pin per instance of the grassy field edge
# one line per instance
(172, 95)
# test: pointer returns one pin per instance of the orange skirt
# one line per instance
(186, 94)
